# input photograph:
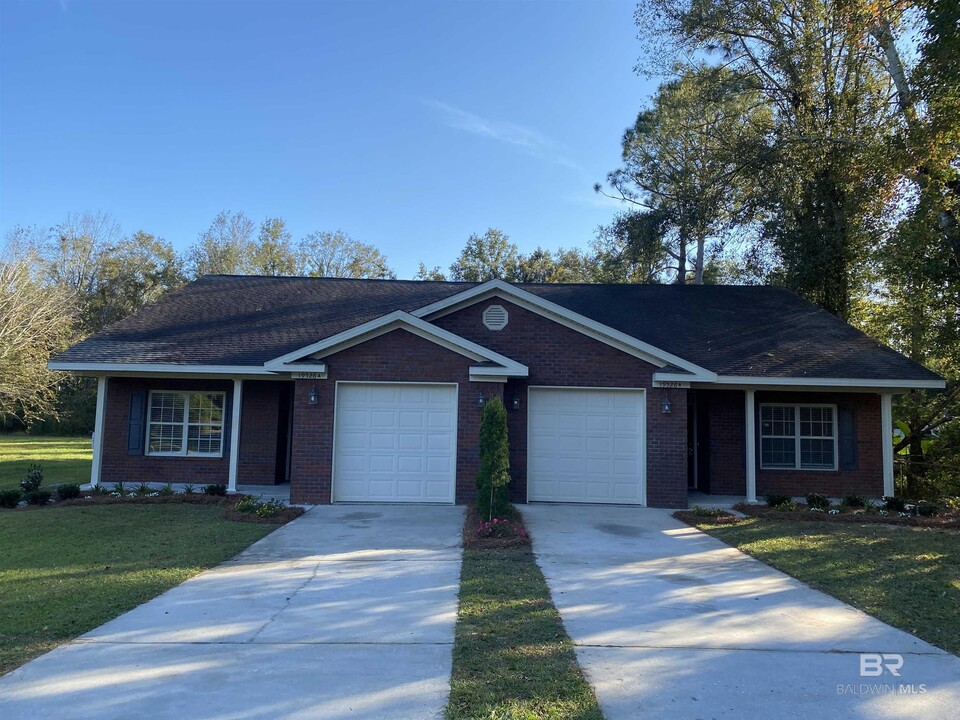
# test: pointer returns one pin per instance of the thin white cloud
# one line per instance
(527, 138)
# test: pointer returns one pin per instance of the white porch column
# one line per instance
(98, 431)
(749, 434)
(235, 435)
(886, 441)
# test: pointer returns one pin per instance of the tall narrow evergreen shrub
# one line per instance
(494, 475)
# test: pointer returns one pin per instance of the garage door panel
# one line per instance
(440, 420)
(381, 419)
(395, 443)
(411, 441)
(586, 445)
(412, 420)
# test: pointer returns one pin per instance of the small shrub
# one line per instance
(269, 509)
(818, 501)
(776, 499)
(189, 489)
(498, 528)
(854, 501)
(33, 480)
(246, 504)
(894, 504)
(951, 503)
(120, 490)
(9, 498)
(143, 490)
(99, 490)
(707, 512)
(215, 489)
(787, 506)
(167, 490)
(68, 491)
(37, 497)
(925, 508)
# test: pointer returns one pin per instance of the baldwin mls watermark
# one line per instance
(881, 665)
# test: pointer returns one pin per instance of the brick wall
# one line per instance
(557, 355)
(260, 418)
(866, 479)
(119, 466)
(727, 453)
(258, 436)
(397, 356)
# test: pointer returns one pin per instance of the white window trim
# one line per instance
(185, 425)
(797, 437)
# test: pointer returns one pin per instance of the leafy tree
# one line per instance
(685, 158)
(559, 266)
(130, 274)
(435, 273)
(227, 247)
(631, 249)
(36, 321)
(336, 254)
(274, 252)
(486, 257)
(823, 171)
(494, 474)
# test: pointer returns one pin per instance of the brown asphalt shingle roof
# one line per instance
(730, 330)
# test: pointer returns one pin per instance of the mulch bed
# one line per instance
(471, 541)
(691, 518)
(281, 518)
(227, 502)
(945, 521)
(89, 498)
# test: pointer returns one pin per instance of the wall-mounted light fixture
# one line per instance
(516, 402)
(665, 405)
(314, 396)
(481, 400)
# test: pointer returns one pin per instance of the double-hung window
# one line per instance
(798, 437)
(185, 423)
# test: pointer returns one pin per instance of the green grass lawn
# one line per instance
(512, 658)
(908, 577)
(64, 459)
(66, 570)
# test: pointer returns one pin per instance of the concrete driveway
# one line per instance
(348, 611)
(670, 623)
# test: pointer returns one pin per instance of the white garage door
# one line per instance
(586, 446)
(395, 443)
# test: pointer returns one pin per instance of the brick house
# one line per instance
(371, 390)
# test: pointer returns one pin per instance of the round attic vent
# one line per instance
(495, 317)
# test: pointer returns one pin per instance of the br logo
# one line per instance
(875, 664)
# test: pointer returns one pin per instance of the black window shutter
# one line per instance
(848, 438)
(135, 422)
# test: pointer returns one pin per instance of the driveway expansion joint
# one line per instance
(286, 603)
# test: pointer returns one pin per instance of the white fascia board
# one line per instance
(405, 321)
(520, 371)
(864, 383)
(488, 378)
(676, 377)
(573, 320)
(165, 368)
(314, 367)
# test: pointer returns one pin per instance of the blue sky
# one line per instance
(409, 125)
